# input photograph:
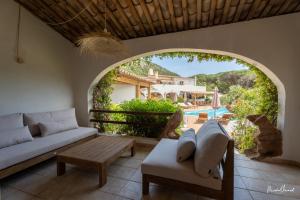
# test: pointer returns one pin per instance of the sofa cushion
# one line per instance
(33, 119)
(162, 162)
(186, 145)
(14, 136)
(67, 117)
(49, 128)
(211, 144)
(11, 121)
(40, 145)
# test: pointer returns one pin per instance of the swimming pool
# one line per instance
(210, 112)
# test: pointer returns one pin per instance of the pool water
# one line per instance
(210, 112)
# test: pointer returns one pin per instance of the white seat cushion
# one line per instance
(162, 162)
(40, 145)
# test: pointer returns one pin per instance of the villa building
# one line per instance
(128, 86)
(169, 80)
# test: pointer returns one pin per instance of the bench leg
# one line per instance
(145, 185)
(102, 175)
(61, 168)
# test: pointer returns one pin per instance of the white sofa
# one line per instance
(161, 166)
(20, 156)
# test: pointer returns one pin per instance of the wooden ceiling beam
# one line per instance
(284, 7)
(172, 15)
(98, 19)
(267, 8)
(239, 11)
(199, 13)
(253, 8)
(298, 8)
(69, 8)
(128, 19)
(112, 17)
(112, 26)
(148, 17)
(225, 11)
(160, 16)
(47, 9)
(124, 17)
(185, 15)
(136, 17)
(293, 6)
(80, 28)
(213, 4)
(276, 7)
(69, 36)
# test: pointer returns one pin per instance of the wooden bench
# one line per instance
(97, 154)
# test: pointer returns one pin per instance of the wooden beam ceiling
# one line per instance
(127, 19)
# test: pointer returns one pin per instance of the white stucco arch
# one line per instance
(272, 44)
(263, 68)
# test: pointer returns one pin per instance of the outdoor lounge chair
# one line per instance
(203, 117)
(161, 166)
(183, 105)
(225, 118)
(190, 105)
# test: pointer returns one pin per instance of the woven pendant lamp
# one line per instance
(102, 43)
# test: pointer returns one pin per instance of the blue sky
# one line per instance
(186, 69)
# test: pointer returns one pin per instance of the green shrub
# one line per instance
(146, 106)
(114, 128)
(102, 96)
(245, 139)
(180, 99)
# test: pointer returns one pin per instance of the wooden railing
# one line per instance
(135, 123)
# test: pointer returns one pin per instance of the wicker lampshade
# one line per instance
(101, 43)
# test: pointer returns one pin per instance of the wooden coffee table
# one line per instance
(97, 153)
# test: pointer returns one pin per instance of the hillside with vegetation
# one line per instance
(142, 66)
(223, 80)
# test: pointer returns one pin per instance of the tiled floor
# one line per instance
(124, 182)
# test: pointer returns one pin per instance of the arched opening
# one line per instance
(261, 67)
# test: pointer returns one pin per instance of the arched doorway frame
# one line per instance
(260, 66)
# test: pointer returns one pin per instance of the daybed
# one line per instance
(161, 166)
(61, 132)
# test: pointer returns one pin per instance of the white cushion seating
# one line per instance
(186, 145)
(33, 119)
(211, 146)
(49, 128)
(17, 153)
(11, 121)
(66, 117)
(162, 162)
(15, 136)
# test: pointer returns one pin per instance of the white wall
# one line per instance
(123, 92)
(186, 81)
(44, 81)
(273, 42)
